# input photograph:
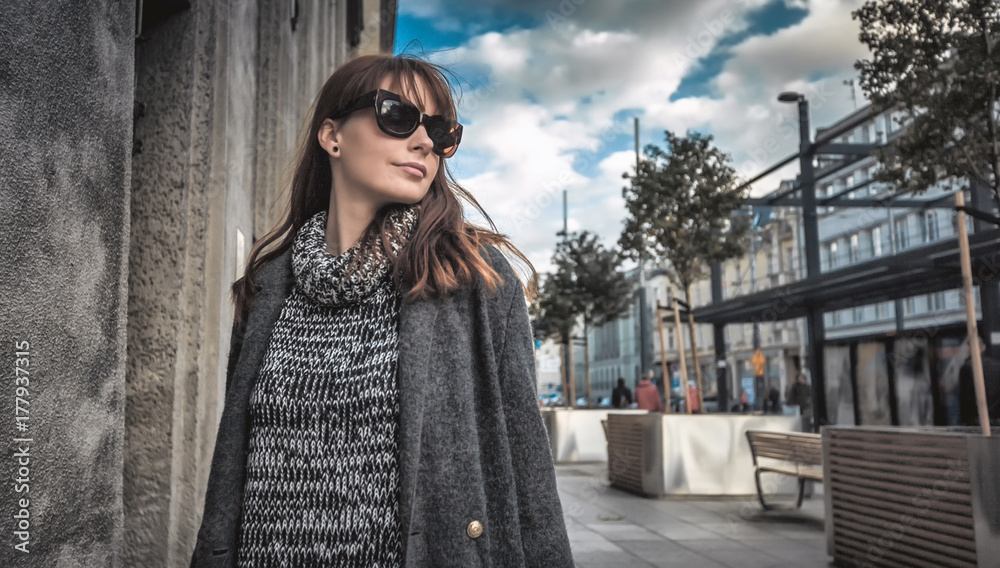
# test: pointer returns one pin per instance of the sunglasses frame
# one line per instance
(374, 99)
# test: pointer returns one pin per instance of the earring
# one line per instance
(334, 149)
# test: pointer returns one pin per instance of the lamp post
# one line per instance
(810, 230)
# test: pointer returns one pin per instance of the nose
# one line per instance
(420, 141)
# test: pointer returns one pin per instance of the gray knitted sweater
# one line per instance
(322, 484)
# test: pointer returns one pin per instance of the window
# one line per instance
(832, 255)
(902, 236)
(859, 315)
(932, 231)
(882, 311)
(936, 301)
(877, 241)
(836, 317)
(855, 252)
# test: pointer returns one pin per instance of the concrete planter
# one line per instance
(682, 455)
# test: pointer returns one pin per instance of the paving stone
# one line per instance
(610, 527)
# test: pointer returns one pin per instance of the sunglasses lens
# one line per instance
(445, 134)
(398, 117)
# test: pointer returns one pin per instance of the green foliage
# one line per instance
(680, 208)
(553, 312)
(588, 284)
(933, 62)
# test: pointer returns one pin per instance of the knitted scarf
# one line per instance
(346, 279)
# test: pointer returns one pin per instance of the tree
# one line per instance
(588, 286)
(680, 206)
(554, 318)
(939, 64)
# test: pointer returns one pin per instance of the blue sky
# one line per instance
(549, 91)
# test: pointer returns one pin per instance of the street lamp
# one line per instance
(791, 97)
(810, 230)
(807, 182)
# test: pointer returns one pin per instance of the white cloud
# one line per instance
(635, 57)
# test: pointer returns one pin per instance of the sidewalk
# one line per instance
(613, 528)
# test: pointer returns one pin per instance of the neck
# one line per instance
(346, 221)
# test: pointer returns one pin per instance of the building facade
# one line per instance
(891, 363)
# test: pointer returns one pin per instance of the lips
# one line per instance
(413, 168)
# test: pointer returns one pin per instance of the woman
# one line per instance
(380, 400)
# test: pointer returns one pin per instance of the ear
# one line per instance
(329, 137)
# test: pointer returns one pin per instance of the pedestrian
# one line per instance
(647, 397)
(379, 403)
(621, 396)
(801, 395)
(744, 400)
(774, 397)
(968, 407)
(693, 397)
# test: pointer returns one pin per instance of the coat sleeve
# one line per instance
(543, 529)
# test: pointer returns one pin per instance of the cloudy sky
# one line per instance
(550, 89)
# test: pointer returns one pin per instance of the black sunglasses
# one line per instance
(400, 119)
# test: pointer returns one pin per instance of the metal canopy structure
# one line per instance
(925, 270)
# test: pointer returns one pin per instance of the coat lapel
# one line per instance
(275, 282)
(416, 335)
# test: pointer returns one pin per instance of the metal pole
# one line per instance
(565, 231)
(807, 181)
(719, 340)
(758, 380)
(810, 229)
(645, 355)
(663, 355)
(678, 333)
(572, 374)
(970, 318)
(563, 354)
(989, 290)
(893, 249)
(586, 360)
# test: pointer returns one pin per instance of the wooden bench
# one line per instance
(790, 453)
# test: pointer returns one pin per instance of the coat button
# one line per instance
(474, 529)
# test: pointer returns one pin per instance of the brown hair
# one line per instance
(444, 252)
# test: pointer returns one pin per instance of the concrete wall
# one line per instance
(66, 83)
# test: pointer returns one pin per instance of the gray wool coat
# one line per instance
(471, 439)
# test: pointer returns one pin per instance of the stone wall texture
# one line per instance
(66, 84)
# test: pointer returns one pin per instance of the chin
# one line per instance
(407, 197)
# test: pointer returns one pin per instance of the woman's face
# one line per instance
(376, 168)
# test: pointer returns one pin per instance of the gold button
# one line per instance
(474, 529)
